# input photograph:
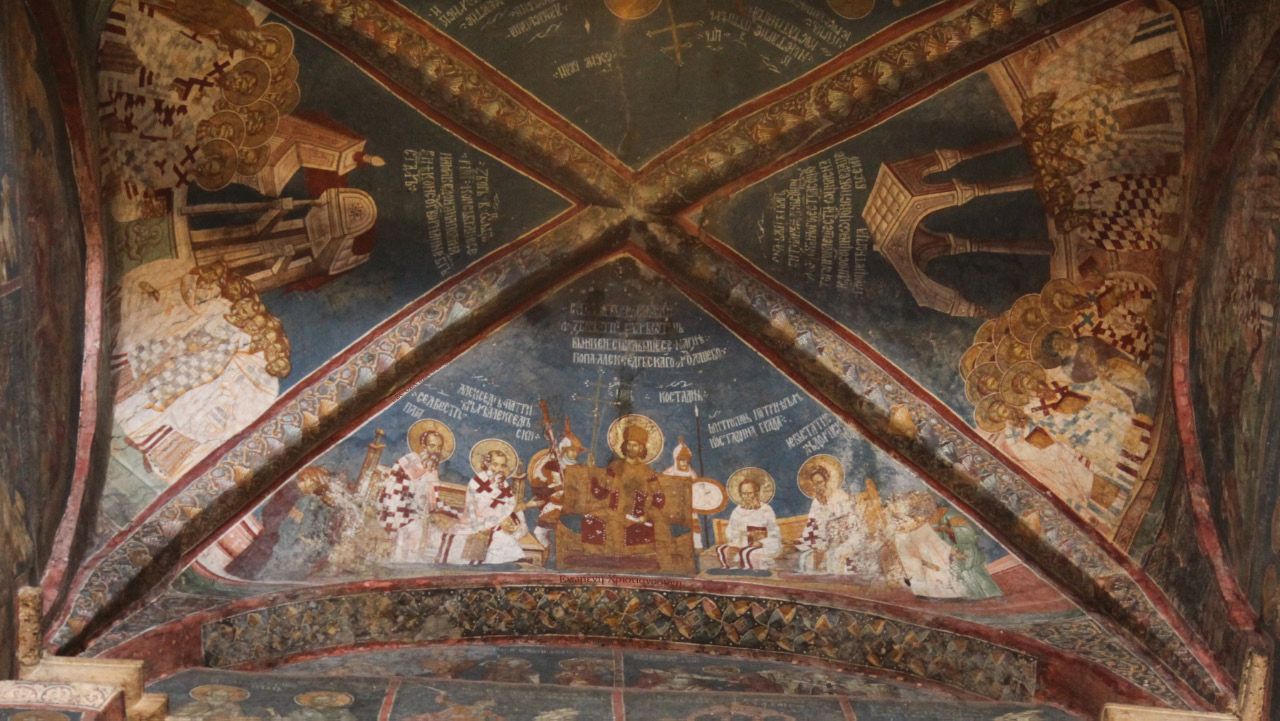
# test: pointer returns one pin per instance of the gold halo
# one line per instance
(217, 149)
(201, 693)
(759, 476)
(982, 414)
(1042, 353)
(286, 98)
(632, 9)
(284, 75)
(1026, 317)
(973, 383)
(852, 9)
(262, 78)
(285, 36)
(1011, 351)
(205, 129)
(991, 331)
(308, 698)
(977, 355)
(482, 449)
(539, 476)
(1055, 313)
(251, 161)
(419, 429)
(270, 121)
(652, 450)
(1012, 390)
(835, 469)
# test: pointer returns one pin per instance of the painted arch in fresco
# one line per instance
(1018, 224)
(248, 197)
(42, 316)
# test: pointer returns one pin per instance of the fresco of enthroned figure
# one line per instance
(627, 516)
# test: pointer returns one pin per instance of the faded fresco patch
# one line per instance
(42, 318)
(640, 75)
(1233, 360)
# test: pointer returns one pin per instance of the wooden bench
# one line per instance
(790, 528)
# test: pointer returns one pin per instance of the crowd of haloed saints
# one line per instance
(644, 511)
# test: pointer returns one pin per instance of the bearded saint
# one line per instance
(409, 507)
(493, 523)
(626, 516)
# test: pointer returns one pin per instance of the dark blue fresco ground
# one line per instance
(966, 114)
(530, 359)
(645, 103)
(320, 323)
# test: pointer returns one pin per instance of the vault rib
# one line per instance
(444, 81)
(825, 108)
(144, 554)
(1070, 554)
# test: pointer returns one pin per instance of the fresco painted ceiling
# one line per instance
(820, 330)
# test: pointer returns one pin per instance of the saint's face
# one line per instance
(750, 495)
(243, 82)
(633, 450)
(682, 463)
(219, 696)
(571, 453)
(497, 462)
(819, 486)
(1063, 344)
(434, 446)
(210, 166)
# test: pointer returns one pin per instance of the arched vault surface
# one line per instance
(782, 329)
